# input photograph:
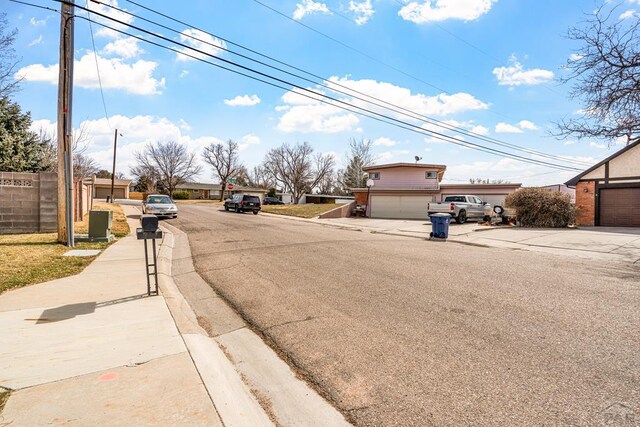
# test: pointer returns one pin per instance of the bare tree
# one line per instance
(8, 83)
(296, 169)
(84, 166)
(605, 73)
(260, 177)
(488, 181)
(224, 160)
(328, 184)
(167, 163)
(360, 156)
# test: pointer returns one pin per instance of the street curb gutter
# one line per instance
(265, 379)
(232, 399)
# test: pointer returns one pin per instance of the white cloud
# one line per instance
(136, 78)
(385, 142)
(282, 107)
(248, 140)
(437, 105)
(206, 43)
(317, 118)
(321, 116)
(184, 125)
(424, 11)
(516, 75)
(38, 22)
(596, 145)
(183, 74)
(570, 142)
(125, 47)
(575, 57)
(521, 126)
(363, 11)
(527, 125)
(507, 128)
(628, 14)
(36, 41)
(480, 130)
(307, 7)
(243, 101)
(137, 131)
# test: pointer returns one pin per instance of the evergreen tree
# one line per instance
(21, 150)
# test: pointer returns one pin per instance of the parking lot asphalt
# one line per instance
(401, 331)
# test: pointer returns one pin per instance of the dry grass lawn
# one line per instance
(309, 210)
(27, 259)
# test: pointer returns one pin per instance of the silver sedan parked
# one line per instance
(159, 205)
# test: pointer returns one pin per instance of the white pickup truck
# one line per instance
(461, 207)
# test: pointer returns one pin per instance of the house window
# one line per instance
(428, 175)
(374, 175)
(196, 191)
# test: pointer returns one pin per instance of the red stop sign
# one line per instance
(230, 186)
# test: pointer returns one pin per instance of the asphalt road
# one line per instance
(407, 332)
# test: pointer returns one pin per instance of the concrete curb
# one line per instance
(239, 370)
(231, 397)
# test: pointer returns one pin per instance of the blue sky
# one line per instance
(489, 66)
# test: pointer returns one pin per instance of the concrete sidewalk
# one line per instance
(597, 243)
(94, 349)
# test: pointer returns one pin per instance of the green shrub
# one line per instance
(537, 207)
(181, 195)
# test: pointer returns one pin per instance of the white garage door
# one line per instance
(404, 207)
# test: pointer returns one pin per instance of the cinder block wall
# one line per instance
(28, 202)
(586, 203)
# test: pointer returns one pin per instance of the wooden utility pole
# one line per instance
(113, 171)
(65, 126)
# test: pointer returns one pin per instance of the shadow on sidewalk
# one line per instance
(69, 311)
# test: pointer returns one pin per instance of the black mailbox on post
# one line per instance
(149, 223)
(150, 231)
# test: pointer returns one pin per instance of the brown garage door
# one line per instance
(620, 207)
(103, 192)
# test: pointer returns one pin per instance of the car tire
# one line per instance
(226, 208)
(175, 216)
(238, 210)
(255, 212)
(462, 217)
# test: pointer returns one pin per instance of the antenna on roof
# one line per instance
(417, 158)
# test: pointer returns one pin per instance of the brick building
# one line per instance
(608, 193)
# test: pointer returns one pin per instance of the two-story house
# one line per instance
(400, 190)
(403, 190)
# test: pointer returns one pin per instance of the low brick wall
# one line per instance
(343, 211)
(28, 202)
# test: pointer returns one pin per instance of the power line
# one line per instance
(95, 56)
(323, 98)
(404, 111)
(360, 52)
(376, 116)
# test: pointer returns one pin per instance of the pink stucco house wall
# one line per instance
(403, 190)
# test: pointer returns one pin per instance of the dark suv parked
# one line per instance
(243, 202)
(273, 201)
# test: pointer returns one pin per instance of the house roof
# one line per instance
(116, 182)
(198, 186)
(573, 181)
(399, 165)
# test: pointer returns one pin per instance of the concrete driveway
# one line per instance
(620, 244)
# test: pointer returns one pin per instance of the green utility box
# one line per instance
(100, 225)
